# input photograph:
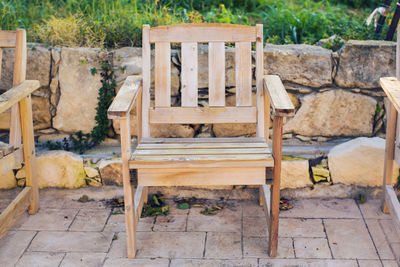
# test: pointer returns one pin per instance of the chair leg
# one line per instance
(129, 191)
(260, 200)
(275, 196)
(146, 194)
(389, 152)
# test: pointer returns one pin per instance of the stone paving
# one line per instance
(316, 232)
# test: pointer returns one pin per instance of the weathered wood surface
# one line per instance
(126, 97)
(279, 98)
(391, 86)
(216, 74)
(15, 94)
(393, 205)
(163, 74)
(189, 75)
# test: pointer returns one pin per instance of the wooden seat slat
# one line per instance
(202, 151)
(203, 140)
(201, 145)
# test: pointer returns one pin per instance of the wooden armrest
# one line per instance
(15, 94)
(126, 97)
(391, 86)
(280, 101)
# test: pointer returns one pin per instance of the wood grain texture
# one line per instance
(203, 140)
(189, 74)
(391, 86)
(279, 98)
(7, 39)
(201, 176)
(261, 122)
(146, 68)
(216, 74)
(25, 106)
(243, 74)
(265, 194)
(126, 97)
(393, 206)
(10, 161)
(10, 215)
(204, 32)
(163, 74)
(204, 115)
(18, 92)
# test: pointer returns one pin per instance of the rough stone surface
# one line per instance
(295, 174)
(41, 112)
(91, 172)
(127, 61)
(133, 123)
(302, 64)
(77, 86)
(362, 63)
(7, 180)
(359, 161)
(111, 171)
(60, 168)
(38, 65)
(171, 130)
(333, 113)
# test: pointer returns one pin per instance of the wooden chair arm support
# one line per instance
(126, 97)
(17, 93)
(280, 101)
(391, 86)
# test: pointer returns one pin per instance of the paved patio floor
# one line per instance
(316, 232)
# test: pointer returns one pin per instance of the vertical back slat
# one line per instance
(261, 124)
(189, 74)
(243, 73)
(146, 58)
(216, 74)
(163, 74)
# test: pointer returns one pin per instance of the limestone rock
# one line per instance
(295, 174)
(94, 181)
(302, 64)
(333, 113)
(7, 180)
(127, 61)
(359, 162)
(91, 172)
(59, 168)
(20, 173)
(41, 112)
(76, 108)
(362, 63)
(38, 65)
(171, 130)
(111, 171)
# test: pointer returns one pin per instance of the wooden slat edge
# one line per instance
(394, 206)
(265, 191)
(11, 214)
(126, 97)
(390, 85)
(278, 96)
(8, 39)
(201, 140)
(10, 161)
(15, 94)
(139, 201)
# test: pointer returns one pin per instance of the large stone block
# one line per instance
(111, 171)
(359, 162)
(302, 64)
(7, 180)
(79, 89)
(333, 113)
(38, 65)
(60, 168)
(41, 112)
(295, 174)
(127, 61)
(362, 63)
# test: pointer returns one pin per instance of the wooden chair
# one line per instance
(11, 156)
(201, 161)
(391, 86)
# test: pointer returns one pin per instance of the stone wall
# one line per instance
(336, 95)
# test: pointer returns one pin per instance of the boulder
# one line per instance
(111, 171)
(7, 180)
(38, 66)
(359, 162)
(126, 61)
(171, 130)
(333, 113)
(362, 63)
(59, 168)
(301, 64)
(295, 174)
(76, 108)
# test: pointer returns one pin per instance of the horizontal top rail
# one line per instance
(203, 33)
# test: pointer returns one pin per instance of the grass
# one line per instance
(115, 23)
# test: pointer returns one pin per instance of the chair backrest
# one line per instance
(189, 36)
(15, 39)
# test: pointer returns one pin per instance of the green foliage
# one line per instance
(115, 23)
